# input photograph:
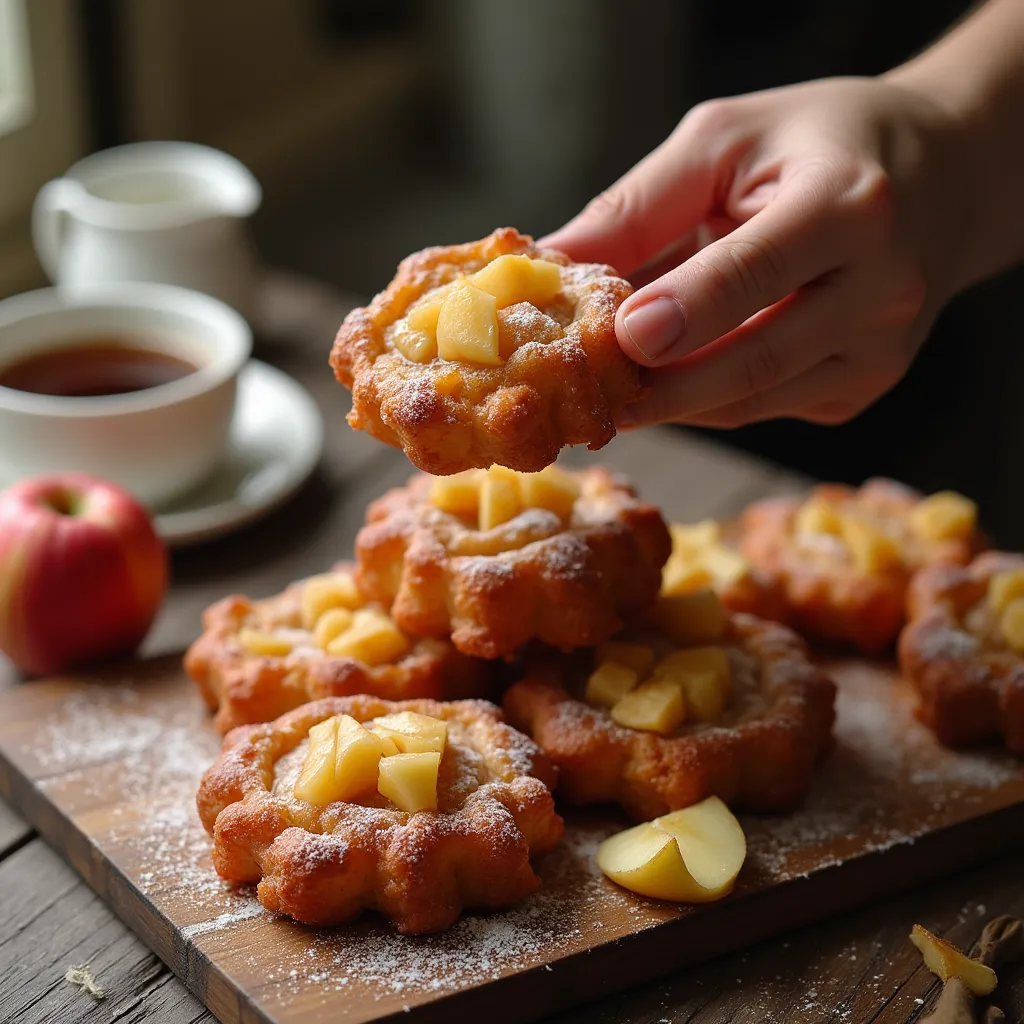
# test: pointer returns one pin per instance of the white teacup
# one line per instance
(156, 443)
(168, 212)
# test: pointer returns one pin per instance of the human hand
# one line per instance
(798, 244)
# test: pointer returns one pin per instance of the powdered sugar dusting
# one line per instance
(886, 783)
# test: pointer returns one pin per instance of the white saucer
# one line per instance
(276, 439)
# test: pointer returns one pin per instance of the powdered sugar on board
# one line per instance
(884, 765)
(142, 747)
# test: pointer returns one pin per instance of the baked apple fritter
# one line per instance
(493, 352)
(494, 559)
(843, 556)
(320, 637)
(963, 649)
(415, 809)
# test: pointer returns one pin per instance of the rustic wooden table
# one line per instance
(856, 968)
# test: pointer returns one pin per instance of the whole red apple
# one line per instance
(82, 572)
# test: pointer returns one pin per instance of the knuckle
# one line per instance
(738, 275)
(613, 203)
(872, 199)
(618, 207)
(761, 366)
(709, 118)
(758, 262)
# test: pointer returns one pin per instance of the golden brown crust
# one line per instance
(243, 688)
(828, 598)
(547, 395)
(761, 758)
(568, 586)
(970, 686)
(323, 866)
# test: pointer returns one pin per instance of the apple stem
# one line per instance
(64, 503)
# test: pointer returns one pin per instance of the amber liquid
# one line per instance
(99, 366)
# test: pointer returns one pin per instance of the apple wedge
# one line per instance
(692, 855)
(946, 961)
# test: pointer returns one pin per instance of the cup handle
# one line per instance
(53, 203)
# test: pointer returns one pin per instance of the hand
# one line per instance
(798, 244)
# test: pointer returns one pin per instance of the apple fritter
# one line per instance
(494, 559)
(703, 557)
(490, 352)
(320, 637)
(354, 803)
(843, 556)
(722, 705)
(963, 649)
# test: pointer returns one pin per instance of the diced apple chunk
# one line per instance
(358, 754)
(1004, 587)
(691, 618)
(332, 590)
(944, 516)
(651, 707)
(692, 855)
(416, 346)
(372, 639)
(726, 566)
(499, 498)
(341, 762)
(315, 783)
(255, 641)
(704, 675)
(513, 278)
(458, 494)
(946, 961)
(818, 516)
(331, 625)
(695, 536)
(1011, 624)
(638, 657)
(873, 550)
(683, 575)
(609, 683)
(412, 733)
(467, 327)
(424, 315)
(409, 781)
(552, 489)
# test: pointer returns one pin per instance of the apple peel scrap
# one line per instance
(691, 856)
(946, 961)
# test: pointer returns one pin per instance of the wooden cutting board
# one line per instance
(106, 768)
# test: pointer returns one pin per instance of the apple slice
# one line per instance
(412, 733)
(946, 961)
(692, 855)
(409, 781)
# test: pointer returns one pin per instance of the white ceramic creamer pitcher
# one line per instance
(170, 212)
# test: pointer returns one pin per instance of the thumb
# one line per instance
(648, 210)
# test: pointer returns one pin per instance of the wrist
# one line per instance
(957, 159)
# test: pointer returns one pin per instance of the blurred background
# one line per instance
(380, 126)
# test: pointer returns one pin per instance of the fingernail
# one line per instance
(655, 326)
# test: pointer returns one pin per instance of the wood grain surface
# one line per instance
(106, 768)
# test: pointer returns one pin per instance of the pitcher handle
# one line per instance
(53, 203)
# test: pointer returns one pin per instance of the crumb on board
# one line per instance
(81, 976)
